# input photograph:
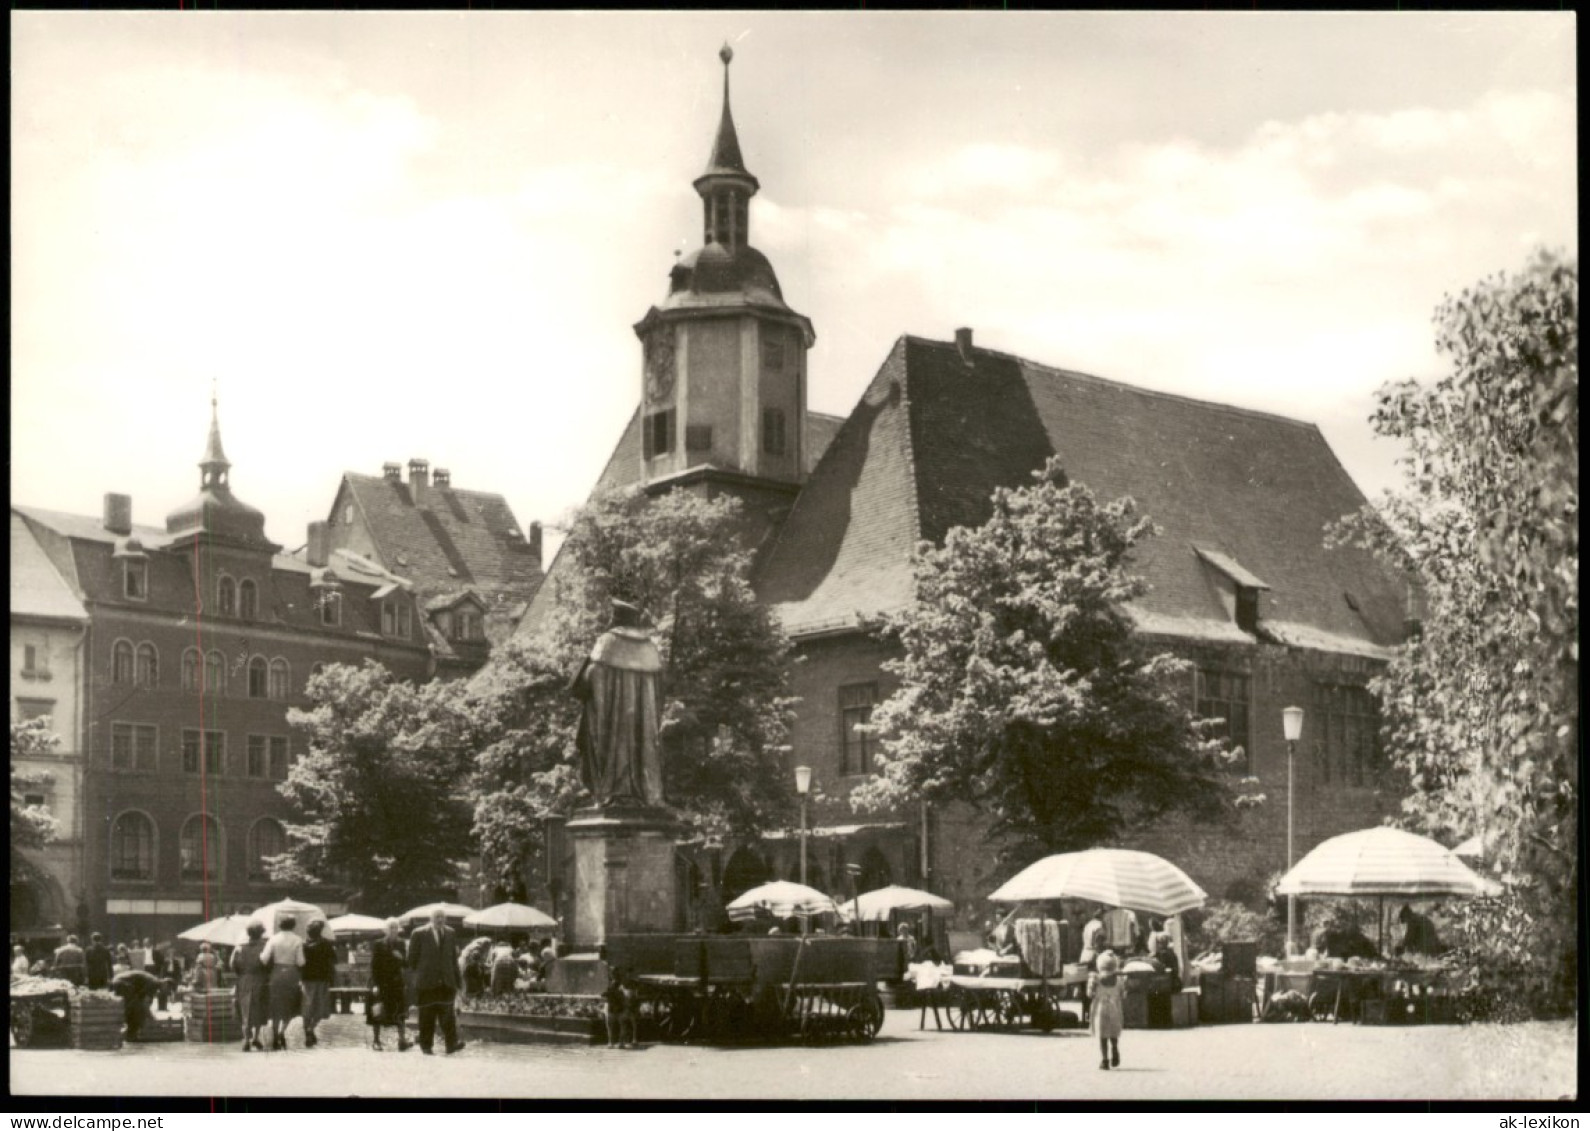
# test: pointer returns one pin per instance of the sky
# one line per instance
(381, 236)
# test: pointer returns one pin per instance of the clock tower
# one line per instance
(724, 358)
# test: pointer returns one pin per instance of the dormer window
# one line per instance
(395, 619)
(330, 608)
(1247, 608)
(466, 624)
(135, 579)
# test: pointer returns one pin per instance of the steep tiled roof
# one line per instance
(37, 587)
(450, 538)
(933, 436)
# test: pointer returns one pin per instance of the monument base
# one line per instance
(623, 872)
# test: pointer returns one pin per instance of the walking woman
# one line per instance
(253, 986)
(284, 954)
(388, 1000)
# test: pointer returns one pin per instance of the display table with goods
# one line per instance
(53, 1013)
(988, 990)
(1368, 991)
(523, 1017)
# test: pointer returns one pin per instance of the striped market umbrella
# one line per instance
(1118, 877)
(875, 906)
(782, 899)
(510, 917)
(1384, 861)
(228, 930)
(418, 916)
(352, 926)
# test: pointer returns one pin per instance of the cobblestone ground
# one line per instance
(1305, 1061)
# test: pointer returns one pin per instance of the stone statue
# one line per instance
(620, 762)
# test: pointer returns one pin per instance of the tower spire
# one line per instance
(213, 467)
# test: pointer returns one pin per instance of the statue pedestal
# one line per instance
(623, 873)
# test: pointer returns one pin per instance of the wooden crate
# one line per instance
(1183, 1009)
(1134, 1010)
(1240, 1000)
(211, 1017)
(96, 1024)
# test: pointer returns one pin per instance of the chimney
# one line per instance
(963, 345)
(118, 513)
(535, 542)
(319, 549)
(392, 472)
(442, 478)
(419, 477)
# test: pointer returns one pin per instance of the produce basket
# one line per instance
(211, 1017)
(96, 1021)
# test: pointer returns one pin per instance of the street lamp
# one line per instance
(803, 786)
(1292, 726)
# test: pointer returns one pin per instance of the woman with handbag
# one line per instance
(387, 1003)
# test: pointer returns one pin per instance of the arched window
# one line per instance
(248, 600)
(121, 662)
(280, 679)
(258, 678)
(148, 665)
(215, 674)
(226, 597)
(132, 847)
(266, 839)
(201, 848)
(192, 665)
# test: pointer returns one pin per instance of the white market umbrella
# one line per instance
(422, 914)
(1118, 877)
(228, 930)
(1384, 861)
(271, 914)
(352, 926)
(782, 899)
(875, 906)
(509, 917)
(1471, 849)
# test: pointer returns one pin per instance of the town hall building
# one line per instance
(1241, 582)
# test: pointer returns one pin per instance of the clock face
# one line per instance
(660, 363)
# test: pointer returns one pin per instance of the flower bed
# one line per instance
(522, 1017)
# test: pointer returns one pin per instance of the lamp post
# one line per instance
(803, 786)
(1292, 726)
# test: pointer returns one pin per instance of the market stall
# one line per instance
(1029, 982)
(1374, 864)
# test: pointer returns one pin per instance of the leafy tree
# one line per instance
(1481, 708)
(726, 707)
(380, 789)
(32, 826)
(1024, 688)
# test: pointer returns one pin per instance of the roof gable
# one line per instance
(448, 538)
(37, 587)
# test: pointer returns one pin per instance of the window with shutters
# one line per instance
(1224, 696)
(856, 701)
(658, 433)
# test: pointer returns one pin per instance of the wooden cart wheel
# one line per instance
(676, 1016)
(958, 1010)
(871, 1016)
(22, 1024)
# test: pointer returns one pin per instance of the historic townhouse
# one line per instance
(193, 641)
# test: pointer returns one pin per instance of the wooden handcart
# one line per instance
(777, 988)
(991, 1001)
(39, 1013)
